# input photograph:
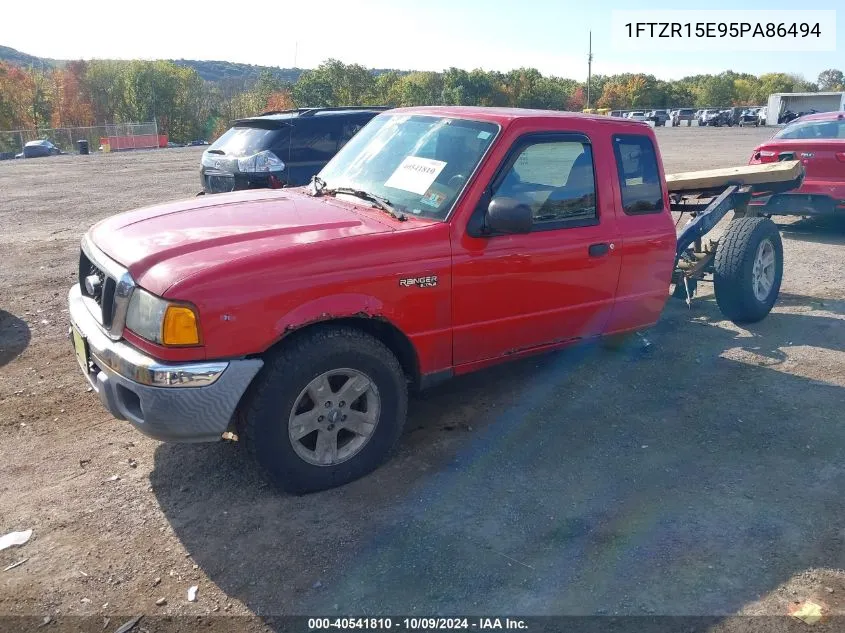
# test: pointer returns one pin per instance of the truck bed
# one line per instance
(781, 176)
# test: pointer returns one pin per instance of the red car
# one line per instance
(818, 141)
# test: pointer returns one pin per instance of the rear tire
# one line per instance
(332, 355)
(748, 269)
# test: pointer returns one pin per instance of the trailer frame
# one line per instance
(708, 197)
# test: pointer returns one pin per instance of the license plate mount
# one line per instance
(80, 347)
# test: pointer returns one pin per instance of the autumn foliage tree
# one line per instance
(79, 94)
(279, 100)
(71, 101)
(576, 100)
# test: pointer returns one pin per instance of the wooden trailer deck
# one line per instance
(781, 176)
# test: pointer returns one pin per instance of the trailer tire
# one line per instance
(748, 269)
(321, 362)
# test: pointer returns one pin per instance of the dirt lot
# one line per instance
(702, 477)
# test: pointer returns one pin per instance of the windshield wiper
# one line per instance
(378, 201)
(318, 186)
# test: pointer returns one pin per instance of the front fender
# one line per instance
(330, 307)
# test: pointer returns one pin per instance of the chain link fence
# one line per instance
(119, 135)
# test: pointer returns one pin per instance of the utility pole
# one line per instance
(589, 67)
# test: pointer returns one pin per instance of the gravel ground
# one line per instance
(700, 477)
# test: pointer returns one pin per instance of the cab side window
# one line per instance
(557, 180)
(639, 176)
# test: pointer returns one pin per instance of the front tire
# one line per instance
(327, 408)
(748, 269)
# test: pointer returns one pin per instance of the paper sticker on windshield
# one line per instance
(415, 174)
(433, 198)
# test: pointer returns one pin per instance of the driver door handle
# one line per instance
(600, 250)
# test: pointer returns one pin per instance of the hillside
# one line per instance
(22, 59)
(222, 70)
(210, 70)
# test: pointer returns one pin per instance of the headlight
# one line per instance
(262, 161)
(162, 321)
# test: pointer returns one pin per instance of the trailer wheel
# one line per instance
(748, 269)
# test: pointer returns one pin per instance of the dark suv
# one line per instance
(278, 149)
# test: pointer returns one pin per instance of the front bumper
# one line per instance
(177, 402)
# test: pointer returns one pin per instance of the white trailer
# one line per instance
(780, 102)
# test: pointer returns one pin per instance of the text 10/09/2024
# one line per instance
(417, 624)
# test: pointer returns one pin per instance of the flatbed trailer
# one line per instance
(745, 263)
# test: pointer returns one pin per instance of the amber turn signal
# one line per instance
(180, 326)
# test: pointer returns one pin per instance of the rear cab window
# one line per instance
(639, 176)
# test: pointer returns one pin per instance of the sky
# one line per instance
(550, 35)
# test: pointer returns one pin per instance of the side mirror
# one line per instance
(506, 215)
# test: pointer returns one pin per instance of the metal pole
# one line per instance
(589, 67)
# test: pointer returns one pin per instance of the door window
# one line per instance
(557, 180)
(639, 176)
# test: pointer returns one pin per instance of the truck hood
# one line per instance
(163, 244)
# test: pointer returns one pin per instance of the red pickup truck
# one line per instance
(438, 241)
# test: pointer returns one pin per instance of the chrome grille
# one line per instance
(109, 290)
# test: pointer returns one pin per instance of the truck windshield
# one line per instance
(419, 163)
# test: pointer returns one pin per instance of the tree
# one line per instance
(635, 90)
(267, 84)
(279, 101)
(799, 84)
(612, 96)
(716, 90)
(771, 83)
(743, 92)
(577, 100)
(334, 83)
(16, 90)
(457, 88)
(420, 88)
(385, 89)
(39, 101)
(71, 101)
(831, 80)
(597, 83)
(478, 88)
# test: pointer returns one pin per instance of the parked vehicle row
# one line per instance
(714, 117)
